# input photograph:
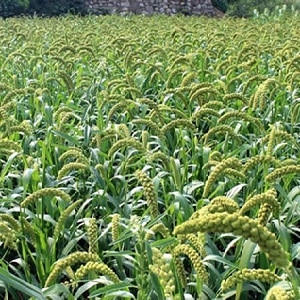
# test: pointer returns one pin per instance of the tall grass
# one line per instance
(149, 158)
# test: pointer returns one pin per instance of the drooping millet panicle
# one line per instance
(195, 259)
(25, 128)
(214, 104)
(276, 136)
(110, 135)
(258, 77)
(128, 142)
(8, 236)
(96, 266)
(241, 115)
(197, 241)
(152, 126)
(145, 138)
(73, 154)
(222, 204)
(263, 275)
(62, 219)
(295, 115)
(210, 163)
(186, 80)
(65, 118)
(259, 99)
(177, 112)
(216, 155)
(236, 96)
(102, 170)
(271, 142)
(220, 129)
(119, 88)
(231, 162)
(92, 231)
(278, 293)
(176, 72)
(133, 92)
(238, 225)
(258, 160)
(202, 91)
(204, 112)
(149, 193)
(11, 221)
(217, 204)
(280, 172)
(7, 146)
(152, 104)
(288, 162)
(151, 157)
(71, 259)
(266, 197)
(162, 268)
(233, 173)
(264, 213)
(123, 131)
(158, 228)
(45, 192)
(179, 266)
(176, 123)
(70, 167)
(115, 220)
(125, 104)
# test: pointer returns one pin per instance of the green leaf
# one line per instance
(116, 287)
(21, 285)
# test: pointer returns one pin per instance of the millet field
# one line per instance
(150, 158)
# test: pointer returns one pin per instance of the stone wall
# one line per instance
(169, 7)
(99, 7)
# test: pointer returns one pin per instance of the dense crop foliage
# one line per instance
(149, 158)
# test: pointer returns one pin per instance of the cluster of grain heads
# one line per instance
(73, 166)
(195, 258)
(92, 231)
(158, 228)
(58, 229)
(127, 142)
(7, 146)
(227, 166)
(115, 223)
(269, 197)
(238, 225)
(73, 154)
(259, 160)
(68, 261)
(10, 228)
(278, 293)
(283, 171)
(240, 115)
(259, 98)
(24, 128)
(198, 242)
(222, 204)
(45, 192)
(161, 266)
(225, 130)
(149, 192)
(98, 267)
(263, 275)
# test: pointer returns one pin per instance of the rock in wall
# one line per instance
(169, 7)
